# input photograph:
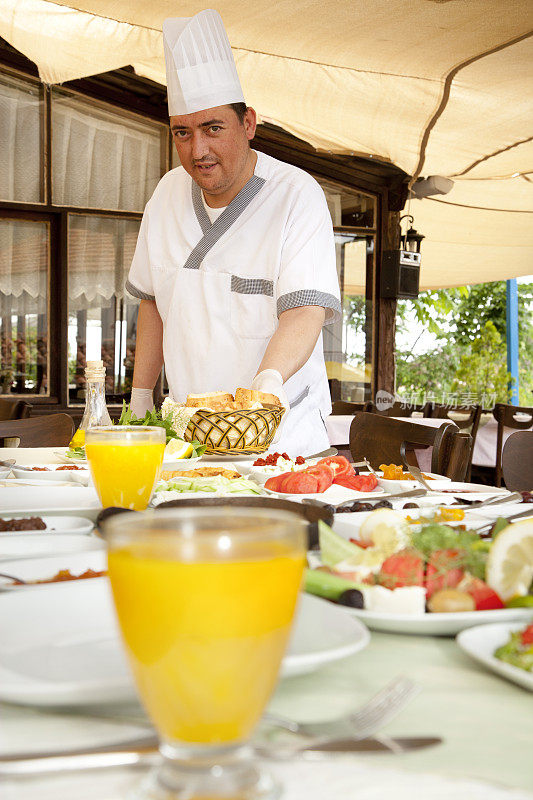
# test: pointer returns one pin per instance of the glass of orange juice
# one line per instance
(125, 462)
(205, 599)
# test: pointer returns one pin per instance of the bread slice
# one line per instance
(255, 396)
(200, 400)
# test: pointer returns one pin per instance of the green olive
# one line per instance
(448, 600)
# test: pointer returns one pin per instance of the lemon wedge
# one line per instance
(179, 449)
(387, 530)
(510, 561)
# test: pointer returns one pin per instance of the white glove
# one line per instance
(270, 380)
(142, 400)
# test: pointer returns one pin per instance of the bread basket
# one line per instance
(230, 432)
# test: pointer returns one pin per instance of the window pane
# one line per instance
(102, 159)
(348, 206)
(102, 320)
(24, 259)
(21, 111)
(348, 342)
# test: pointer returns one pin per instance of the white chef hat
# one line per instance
(201, 72)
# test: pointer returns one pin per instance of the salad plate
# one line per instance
(76, 657)
(29, 545)
(481, 641)
(440, 624)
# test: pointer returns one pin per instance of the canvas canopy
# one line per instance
(438, 87)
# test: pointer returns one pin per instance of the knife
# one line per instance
(145, 751)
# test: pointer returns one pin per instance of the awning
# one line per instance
(434, 87)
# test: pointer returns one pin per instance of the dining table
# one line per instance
(485, 724)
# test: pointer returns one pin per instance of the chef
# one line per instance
(235, 260)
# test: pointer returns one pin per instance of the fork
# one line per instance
(364, 722)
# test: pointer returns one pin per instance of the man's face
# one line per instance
(213, 147)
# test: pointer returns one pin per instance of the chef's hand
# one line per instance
(142, 400)
(271, 381)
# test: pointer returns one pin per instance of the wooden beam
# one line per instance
(386, 323)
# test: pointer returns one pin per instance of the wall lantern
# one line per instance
(400, 269)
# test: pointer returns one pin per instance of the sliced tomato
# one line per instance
(443, 570)
(360, 483)
(485, 598)
(324, 475)
(300, 483)
(340, 465)
(405, 568)
(526, 637)
(274, 482)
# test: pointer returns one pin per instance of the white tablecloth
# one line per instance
(485, 446)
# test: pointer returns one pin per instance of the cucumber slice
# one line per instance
(324, 584)
(334, 548)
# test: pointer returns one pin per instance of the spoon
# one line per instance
(13, 578)
(10, 462)
(331, 451)
(417, 475)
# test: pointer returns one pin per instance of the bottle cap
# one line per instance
(94, 371)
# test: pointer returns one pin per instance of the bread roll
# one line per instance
(208, 399)
(255, 396)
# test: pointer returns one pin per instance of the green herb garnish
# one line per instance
(472, 550)
(153, 418)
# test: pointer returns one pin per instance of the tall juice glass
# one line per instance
(205, 600)
(125, 462)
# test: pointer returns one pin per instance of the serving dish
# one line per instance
(481, 641)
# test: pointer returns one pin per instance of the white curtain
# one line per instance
(100, 250)
(20, 130)
(102, 159)
(24, 249)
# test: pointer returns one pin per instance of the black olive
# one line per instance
(411, 505)
(383, 504)
(353, 598)
(366, 507)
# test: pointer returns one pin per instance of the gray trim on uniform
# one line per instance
(323, 421)
(311, 297)
(199, 209)
(252, 286)
(230, 214)
(131, 289)
(301, 397)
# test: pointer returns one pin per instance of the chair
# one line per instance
(380, 440)
(517, 462)
(505, 417)
(44, 431)
(469, 423)
(11, 408)
(342, 407)
(399, 409)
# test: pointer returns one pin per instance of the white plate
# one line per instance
(75, 657)
(180, 463)
(348, 525)
(334, 494)
(233, 456)
(468, 489)
(53, 525)
(48, 498)
(29, 545)
(436, 624)
(481, 641)
(45, 567)
(80, 476)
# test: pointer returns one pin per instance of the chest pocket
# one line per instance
(252, 307)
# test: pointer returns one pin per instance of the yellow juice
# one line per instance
(205, 639)
(124, 474)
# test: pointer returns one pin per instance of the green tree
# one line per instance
(482, 371)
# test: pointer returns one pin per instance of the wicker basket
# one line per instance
(227, 432)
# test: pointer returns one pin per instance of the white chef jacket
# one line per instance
(220, 287)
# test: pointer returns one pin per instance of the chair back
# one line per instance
(11, 408)
(505, 416)
(44, 431)
(399, 409)
(343, 407)
(381, 440)
(517, 462)
(469, 416)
